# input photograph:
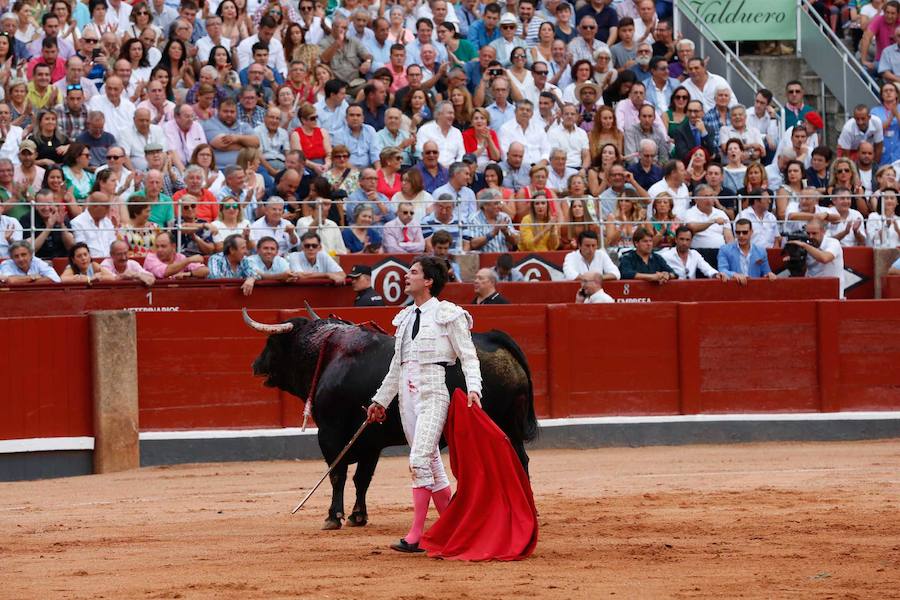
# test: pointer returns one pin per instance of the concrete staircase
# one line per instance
(776, 71)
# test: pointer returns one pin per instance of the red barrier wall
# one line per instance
(194, 372)
(890, 287)
(666, 358)
(45, 367)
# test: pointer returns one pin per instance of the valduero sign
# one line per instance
(744, 20)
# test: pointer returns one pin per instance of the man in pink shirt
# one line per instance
(403, 235)
(882, 29)
(123, 267)
(167, 263)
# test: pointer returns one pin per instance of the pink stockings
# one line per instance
(421, 498)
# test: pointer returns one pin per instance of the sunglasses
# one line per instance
(305, 8)
(588, 27)
(680, 97)
(741, 232)
(231, 205)
(310, 246)
(406, 212)
(114, 156)
(188, 206)
(795, 91)
(91, 40)
(141, 12)
(845, 170)
(540, 72)
(73, 87)
(427, 152)
(507, 27)
(312, 117)
(340, 156)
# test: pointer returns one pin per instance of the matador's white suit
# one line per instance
(417, 375)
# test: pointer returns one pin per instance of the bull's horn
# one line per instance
(279, 328)
(311, 312)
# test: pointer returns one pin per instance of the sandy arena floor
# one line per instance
(742, 521)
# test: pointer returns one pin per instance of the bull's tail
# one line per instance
(525, 420)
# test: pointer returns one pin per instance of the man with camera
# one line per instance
(824, 255)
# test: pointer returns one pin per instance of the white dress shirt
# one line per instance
(575, 265)
(534, 138)
(687, 269)
(708, 94)
(714, 235)
(276, 54)
(574, 142)
(134, 143)
(97, 236)
(451, 146)
(119, 119)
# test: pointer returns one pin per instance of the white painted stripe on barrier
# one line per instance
(710, 418)
(87, 443)
(46, 444)
(209, 434)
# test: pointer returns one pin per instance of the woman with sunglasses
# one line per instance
(231, 221)
(389, 178)
(343, 177)
(312, 139)
(140, 19)
(519, 75)
(845, 175)
(677, 112)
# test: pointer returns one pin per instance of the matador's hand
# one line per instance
(474, 398)
(375, 413)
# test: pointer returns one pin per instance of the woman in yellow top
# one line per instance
(539, 229)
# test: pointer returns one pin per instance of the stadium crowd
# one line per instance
(260, 139)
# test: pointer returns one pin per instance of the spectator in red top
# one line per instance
(882, 29)
(481, 140)
(49, 56)
(313, 140)
(389, 179)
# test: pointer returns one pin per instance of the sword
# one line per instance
(332, 465)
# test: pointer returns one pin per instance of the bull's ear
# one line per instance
(312, 313)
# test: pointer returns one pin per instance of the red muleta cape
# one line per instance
(492, 515)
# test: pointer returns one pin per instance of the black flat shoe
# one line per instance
(402, 546)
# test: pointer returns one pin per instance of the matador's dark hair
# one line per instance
(435, 269)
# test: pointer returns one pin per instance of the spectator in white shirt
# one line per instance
(824, 255)
(849, 230)
(118, 110)
(589, 257)
(591, 291)
(567, 136)
(266, 34)
(527, 132)
(94, 227)
(685, 261)
(800, 212)
(273, 224)
(441, 131)
(674, 174)
(144, 135)
(863, 127)
(313, 262)
(702, 85)
(710, 225)
(765, 225)
(10, 231)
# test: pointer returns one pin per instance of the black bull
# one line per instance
(351, 361)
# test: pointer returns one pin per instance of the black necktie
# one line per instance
(415, 330)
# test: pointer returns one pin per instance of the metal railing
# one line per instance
(838, 68)
(722, 59)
